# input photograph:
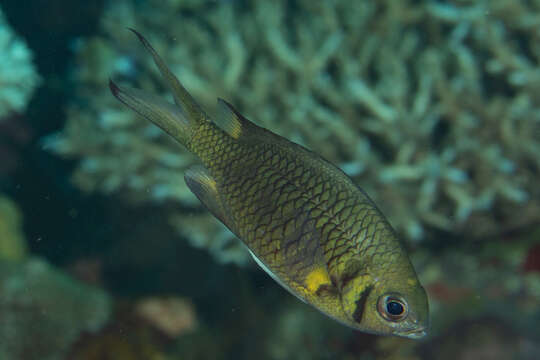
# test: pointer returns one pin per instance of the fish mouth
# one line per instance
(416, 333)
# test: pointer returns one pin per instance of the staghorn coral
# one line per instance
(18, 77)
(433, 108)
(205, 232)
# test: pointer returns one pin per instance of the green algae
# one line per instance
(12, 241)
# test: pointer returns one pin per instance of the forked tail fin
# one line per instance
(180, 120)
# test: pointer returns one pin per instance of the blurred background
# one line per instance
(432, 107)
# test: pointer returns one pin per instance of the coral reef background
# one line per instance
(433, 107)
(18, 77)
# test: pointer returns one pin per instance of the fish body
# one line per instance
(304, 221)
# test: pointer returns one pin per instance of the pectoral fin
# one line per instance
(203, 185)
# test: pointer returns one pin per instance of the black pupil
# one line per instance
(394, 308)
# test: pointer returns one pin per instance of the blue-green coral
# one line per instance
(43, 311)
(432, 107)
(18, 76)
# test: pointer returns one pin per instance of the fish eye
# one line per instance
(392, 307)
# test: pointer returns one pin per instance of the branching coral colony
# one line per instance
(433, 108)
(18, 77)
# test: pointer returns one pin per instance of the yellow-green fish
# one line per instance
(302, 219)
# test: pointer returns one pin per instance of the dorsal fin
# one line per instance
(203, 185)
(234, 123)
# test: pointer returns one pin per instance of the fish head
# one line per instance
(387, 303)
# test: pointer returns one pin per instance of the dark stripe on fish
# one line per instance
(361, 304)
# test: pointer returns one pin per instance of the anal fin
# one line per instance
(274, 276)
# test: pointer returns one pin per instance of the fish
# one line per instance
(302, 219)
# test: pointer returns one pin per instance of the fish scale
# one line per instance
(271, 173)
(331, 241)
(303, 220)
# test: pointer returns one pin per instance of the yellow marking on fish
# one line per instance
(358, 285)
(316, 278)
(362, 282)
(412, 282)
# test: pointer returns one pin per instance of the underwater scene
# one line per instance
(269, 179)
